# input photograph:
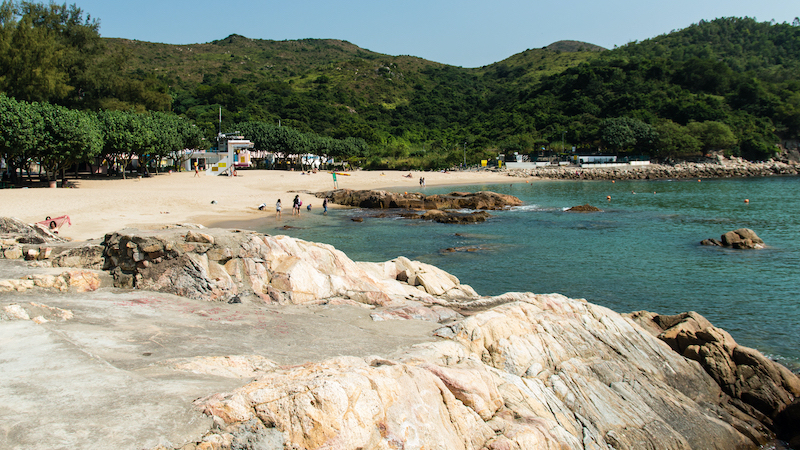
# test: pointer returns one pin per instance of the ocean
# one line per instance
(641, 252)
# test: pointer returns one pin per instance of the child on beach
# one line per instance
(278, 209)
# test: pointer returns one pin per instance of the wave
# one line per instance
(534, 208)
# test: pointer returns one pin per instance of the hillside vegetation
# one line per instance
(729, 84)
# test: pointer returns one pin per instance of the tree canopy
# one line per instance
(731, 84)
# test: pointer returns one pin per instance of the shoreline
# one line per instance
(721, 168)
(97, 206)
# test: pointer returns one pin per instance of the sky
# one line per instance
(466, 33)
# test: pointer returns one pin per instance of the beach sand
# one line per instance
(100, 206)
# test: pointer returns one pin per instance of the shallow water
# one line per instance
(641, 253)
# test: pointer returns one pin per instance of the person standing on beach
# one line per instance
(278, 209)
(196, 170)
(325, 206)
(296, 205)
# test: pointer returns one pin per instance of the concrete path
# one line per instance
(106, 378)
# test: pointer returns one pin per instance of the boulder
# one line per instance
(743, 373)
(743, 238)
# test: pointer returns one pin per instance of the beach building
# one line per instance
(233, 152)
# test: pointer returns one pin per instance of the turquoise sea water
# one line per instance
(641, 253)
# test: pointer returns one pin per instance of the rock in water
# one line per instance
(483, 200)
(584, 208)
(743, 238)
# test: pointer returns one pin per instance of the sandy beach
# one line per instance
(100, 206)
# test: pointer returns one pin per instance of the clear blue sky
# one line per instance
(465, 33)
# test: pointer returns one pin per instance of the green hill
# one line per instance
(730, 84)
(737, 72)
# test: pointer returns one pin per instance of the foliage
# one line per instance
(68, 136)
(52, 53)
(58, 137)
(625, 134)
(288, 141)
(730, 84)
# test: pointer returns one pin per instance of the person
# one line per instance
(278, 209)
(420, 181)
(325, 206)
(53, 226)
(296, 205)
(196, 170)
(308, 208)
(262, 206)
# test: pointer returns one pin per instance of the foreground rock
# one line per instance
(758, 386)
(521, 371)
(743, 238)
(483, 200)
(542, 372)
(218, 265)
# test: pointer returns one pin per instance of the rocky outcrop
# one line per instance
(23, 233)
(758, 386)
(483, 200)
(520, 371)
(743, 238)
(217, 265)
(542, 372)
(70, 280)
(21, 240)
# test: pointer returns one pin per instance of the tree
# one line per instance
(69, 136)
(191, 138)
(624, 133)
(713, 135)
(20, 131)
(125, 136)
(45, 50)
(675, 140)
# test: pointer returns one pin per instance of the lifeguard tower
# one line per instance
(237, 149)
